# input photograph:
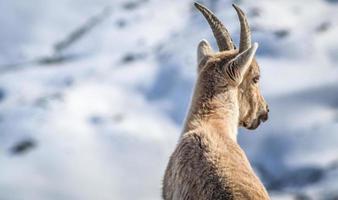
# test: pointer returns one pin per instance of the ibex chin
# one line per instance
(208, 163)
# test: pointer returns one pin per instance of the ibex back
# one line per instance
(207, 163)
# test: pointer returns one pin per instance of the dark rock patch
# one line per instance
(2, 94)
(131, 5)
(99, 120)
(297, 178)
(323, 27)
(23, 146)
(131, 57)
(44, 101)
(68, 81)
(332, 1)
(96, 120)
(255, 12)
(281, 33)
(302, 197)
(121, 23)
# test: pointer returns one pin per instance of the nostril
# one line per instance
(267, 108)
(264, 117)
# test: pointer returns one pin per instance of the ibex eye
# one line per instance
(256, 79)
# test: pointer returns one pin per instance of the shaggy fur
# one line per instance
(207, 163)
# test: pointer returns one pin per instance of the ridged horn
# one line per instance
(245, 39)
(221, 34)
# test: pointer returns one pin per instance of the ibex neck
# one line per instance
(218, 115)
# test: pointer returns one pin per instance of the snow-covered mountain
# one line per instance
(93, 95)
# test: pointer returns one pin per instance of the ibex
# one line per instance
(208, 163)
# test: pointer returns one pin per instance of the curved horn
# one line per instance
(245, 40)
(221, 34)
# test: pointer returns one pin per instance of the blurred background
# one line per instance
(93, 95)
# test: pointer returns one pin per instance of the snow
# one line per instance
(104, 122)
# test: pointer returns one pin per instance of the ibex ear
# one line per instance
(238, 66)
(204, 49)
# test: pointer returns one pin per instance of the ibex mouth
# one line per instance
(254, 125)
(257, 122)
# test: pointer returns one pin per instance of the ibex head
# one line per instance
(231, 71)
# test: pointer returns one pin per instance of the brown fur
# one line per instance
(207, 162)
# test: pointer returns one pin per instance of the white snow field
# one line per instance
(95, 114)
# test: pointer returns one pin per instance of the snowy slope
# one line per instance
(101, 123)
